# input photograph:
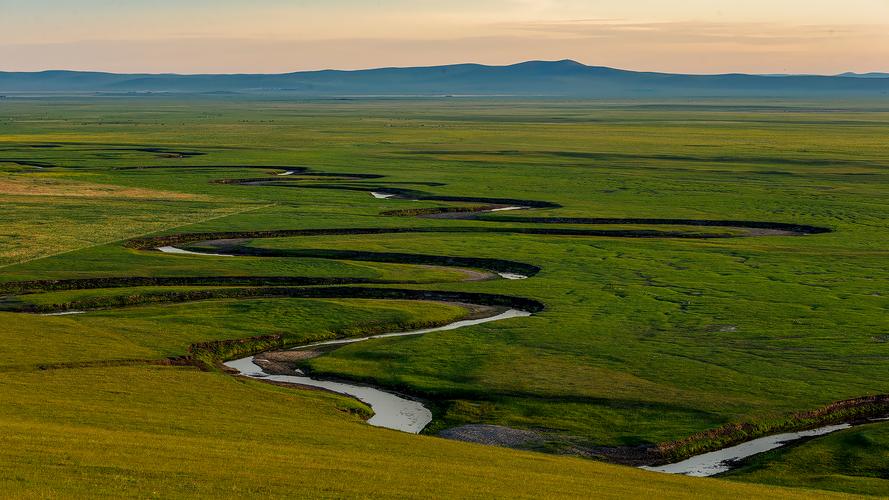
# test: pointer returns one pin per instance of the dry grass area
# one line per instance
(33, 226)
(53, 186)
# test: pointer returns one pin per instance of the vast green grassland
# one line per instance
(641, 341)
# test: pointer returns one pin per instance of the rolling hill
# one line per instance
(534, 78)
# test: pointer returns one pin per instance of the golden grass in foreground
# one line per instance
(175, 432)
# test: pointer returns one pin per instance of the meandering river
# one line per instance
(390, 410)
(394, 411)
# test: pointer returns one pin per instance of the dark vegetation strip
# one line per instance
(289, 180)
(495, 201)
(33, 146)
(424, 196)
(28, 163)
(781, 226)
(496, 265)
(179, 296)
(164, 151)
(667, 157)
(183, 238)
(37, 286)
(432, 211)
(233, 167)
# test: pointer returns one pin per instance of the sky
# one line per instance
(276, 36)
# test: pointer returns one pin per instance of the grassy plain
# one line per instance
(642, 340)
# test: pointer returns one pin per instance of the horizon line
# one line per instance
(373, 68)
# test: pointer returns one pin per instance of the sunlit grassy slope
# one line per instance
(173, 432)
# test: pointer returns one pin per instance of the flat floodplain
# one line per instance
(641, 340)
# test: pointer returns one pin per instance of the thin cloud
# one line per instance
(667, 32)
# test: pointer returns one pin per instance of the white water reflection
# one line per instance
(512, 313)
(180, 251)
(381, 196)
(512, 276)
(390, 410)
(505, 209)
(717, 462)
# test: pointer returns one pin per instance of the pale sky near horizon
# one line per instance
(265, 36)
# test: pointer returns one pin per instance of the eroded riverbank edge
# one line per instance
(708, 453)
(287, 361)
(390, 409)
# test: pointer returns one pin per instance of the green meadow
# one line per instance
(641, 340)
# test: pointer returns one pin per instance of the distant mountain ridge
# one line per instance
(864, 75)
(533, 78)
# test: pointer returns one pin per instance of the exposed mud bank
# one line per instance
(493, 435)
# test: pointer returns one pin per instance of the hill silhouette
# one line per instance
(533, 78)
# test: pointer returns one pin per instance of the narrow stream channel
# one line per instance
(399, 413)
(724, 460)
(180, 251)
(390, 410)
